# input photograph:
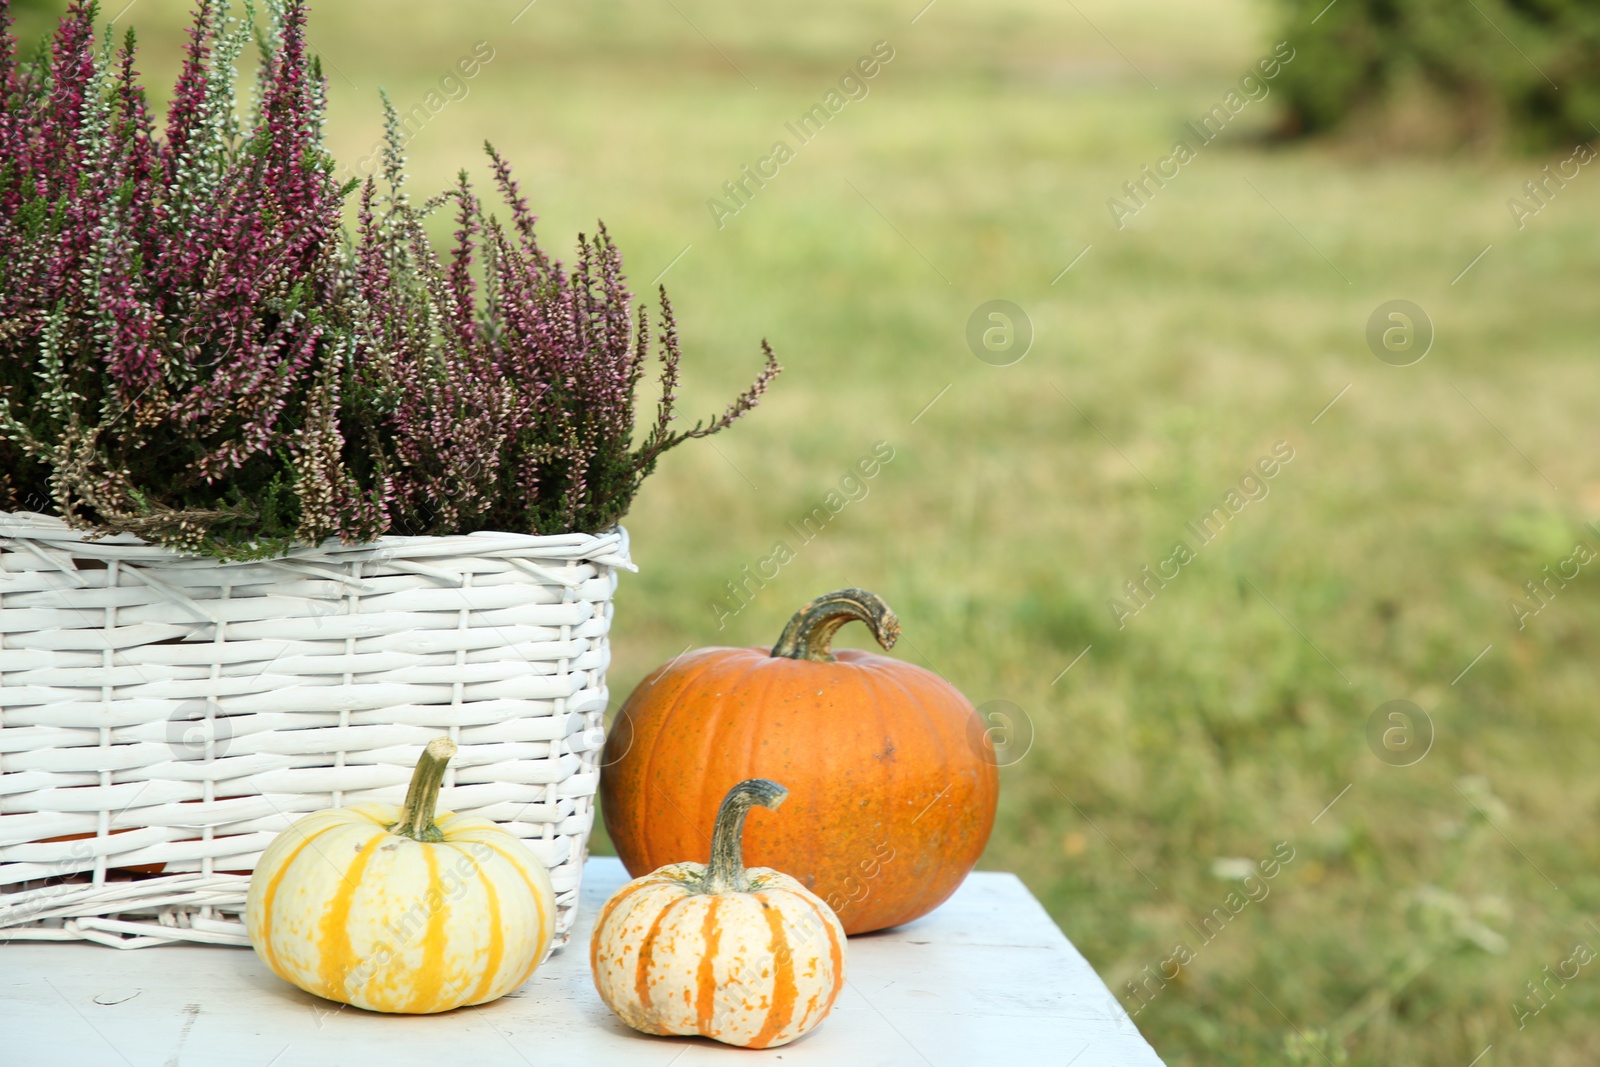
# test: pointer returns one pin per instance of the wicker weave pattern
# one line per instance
(162, 717)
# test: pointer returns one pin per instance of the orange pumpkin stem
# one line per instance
(726, 873)
(809, 634)
(422, 799)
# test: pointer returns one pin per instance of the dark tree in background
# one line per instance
(1523, 74)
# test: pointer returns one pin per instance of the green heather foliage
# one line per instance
(1521, 72)
(193, 350)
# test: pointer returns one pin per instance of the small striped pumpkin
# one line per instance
(388, 909)
(747, 957)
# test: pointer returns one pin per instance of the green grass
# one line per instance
(1229, 712)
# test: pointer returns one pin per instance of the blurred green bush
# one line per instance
(1442, 73)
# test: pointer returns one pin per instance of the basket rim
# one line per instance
(608, 547)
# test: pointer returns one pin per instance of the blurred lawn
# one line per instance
(1217, 723)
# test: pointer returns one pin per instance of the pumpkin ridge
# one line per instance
(611, 906)
(836, 955)
(930, 731)
(647, 952)
(875, 683)
(784, 991)
(496, 940)
(546, 927)
(333, 931)
(430, 977)
(705, 1003)
(808, 936)
(361, 810)
(811, 1006)
(271, 895)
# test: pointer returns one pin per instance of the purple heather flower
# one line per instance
(189, 350)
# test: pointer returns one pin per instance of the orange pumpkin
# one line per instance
(895, 787)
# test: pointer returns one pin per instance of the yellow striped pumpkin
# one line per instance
(393, 910)
(747, 957)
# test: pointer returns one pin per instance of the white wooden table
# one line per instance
(986, 979)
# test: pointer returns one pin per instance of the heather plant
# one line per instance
(167, 303)
(192, 351)
(499, 385)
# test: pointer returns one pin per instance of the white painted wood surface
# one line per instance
(986, 979)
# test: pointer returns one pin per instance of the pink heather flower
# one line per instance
(506, 404)
(191, 350)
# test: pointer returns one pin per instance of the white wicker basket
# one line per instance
(163, 716)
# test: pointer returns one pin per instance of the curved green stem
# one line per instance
(416, 818)
(726, 873)
(810, 633)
